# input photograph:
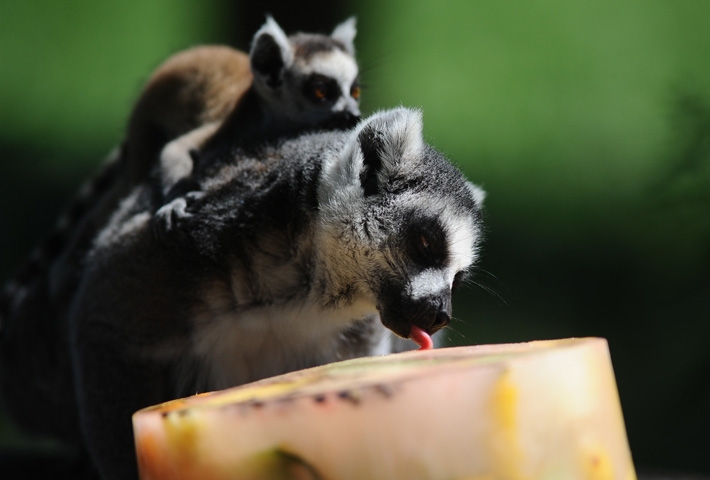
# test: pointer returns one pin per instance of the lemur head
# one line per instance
(310, 79)
(400, 224)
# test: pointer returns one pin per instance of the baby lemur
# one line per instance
(276, 90)
(294, 83)
(300, 82)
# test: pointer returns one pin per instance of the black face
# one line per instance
(425, 249)
(398, 311)
(428, 248)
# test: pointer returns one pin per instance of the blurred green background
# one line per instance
(588, 123)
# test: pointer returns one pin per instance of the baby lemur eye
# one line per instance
(320, 88)
(355, 91)
(319, 92)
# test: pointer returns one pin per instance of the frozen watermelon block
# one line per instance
(540, 410)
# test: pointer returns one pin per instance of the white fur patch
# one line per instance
(427, 282)
(175, 160)
(339, 66)
(272, 28)
(238, 347)
(479, 195)
(404, 136)
(402, 129)
(120, 225)
(345, 34)
(462, 236)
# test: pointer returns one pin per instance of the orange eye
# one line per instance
(319, 93)
(355, 92)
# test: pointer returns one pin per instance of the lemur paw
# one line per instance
(167, 220)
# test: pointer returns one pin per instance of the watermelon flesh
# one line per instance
(539, 410)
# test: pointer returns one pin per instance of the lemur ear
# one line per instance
(386, 140)
(345, 34)
(478, 194)
(270, 53)
(378, 149)
(371, 143)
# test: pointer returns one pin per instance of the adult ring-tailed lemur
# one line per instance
(302, 248)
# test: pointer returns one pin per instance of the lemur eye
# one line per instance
(319, 92)
(320, 88)
(355, 92)
(427, 243)
(423, 248)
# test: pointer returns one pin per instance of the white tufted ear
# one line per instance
(378, 144)
(478, 194)
(394, 135)
(345, 34)
(271, 52)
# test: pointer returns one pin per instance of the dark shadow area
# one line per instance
(31, 198)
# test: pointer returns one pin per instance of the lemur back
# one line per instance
(198, 88)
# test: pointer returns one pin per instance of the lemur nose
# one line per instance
(441, 320)
(345, 119)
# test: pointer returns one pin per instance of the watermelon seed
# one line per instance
(349, 396)
(385, 390)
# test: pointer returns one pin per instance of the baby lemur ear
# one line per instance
(345, 34)
(270, 53)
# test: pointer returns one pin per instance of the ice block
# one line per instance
(539, 410)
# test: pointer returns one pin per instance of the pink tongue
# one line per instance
(421, 338)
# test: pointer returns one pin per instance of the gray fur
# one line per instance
(285, 262)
